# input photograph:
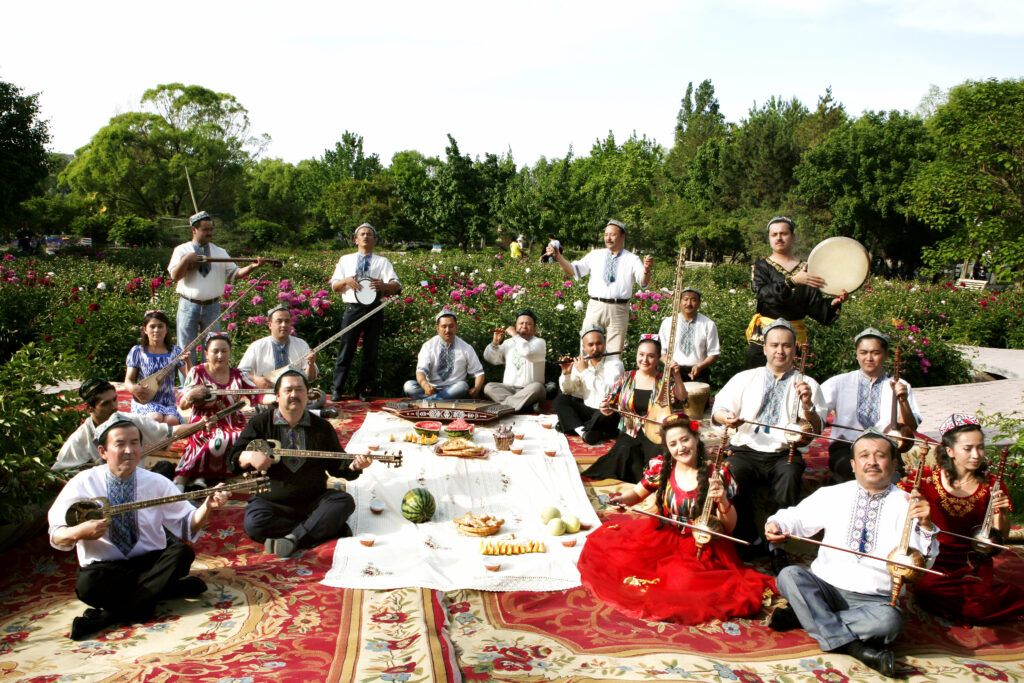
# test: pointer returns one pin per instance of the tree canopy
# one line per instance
(23, 155)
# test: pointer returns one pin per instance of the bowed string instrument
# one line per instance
(986, 540)
(707, 523)
(899, 430)
(799, 430)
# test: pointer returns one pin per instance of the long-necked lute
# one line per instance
(272, 449)
(297, 365)
(660, 408)
(153, 381)
(707, 523)
(276, 262)
(907, 563)
(100, 508)
(193, 428)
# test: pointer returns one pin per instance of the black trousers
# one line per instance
(755, 356)
(839, 464)
(132, 587)
(572, 413)
(370, 331)
(322, 520)
(755, 471)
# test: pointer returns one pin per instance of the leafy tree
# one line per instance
(136, 164)
(456, 201)
(412, 174)
(351, 202)
(700, 119)
(346, 161)
(23, 140)
(272, 195)
(973, 194)
(860, 175)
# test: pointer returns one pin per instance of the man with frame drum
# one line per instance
(361, 277)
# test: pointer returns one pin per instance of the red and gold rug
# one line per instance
(266, 619)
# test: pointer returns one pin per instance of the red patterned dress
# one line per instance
(206, 451)
(653, 573)
(969, 593)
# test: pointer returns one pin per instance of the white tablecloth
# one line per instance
(433, 554)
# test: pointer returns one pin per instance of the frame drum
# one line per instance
(698, 394)
(367, 294)
(842, 263)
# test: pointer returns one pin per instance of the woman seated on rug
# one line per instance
(634, 393)
(153, 353)
(959, 491)
(649, 569)
(206, 450)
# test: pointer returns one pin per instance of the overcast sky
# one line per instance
(530, 77)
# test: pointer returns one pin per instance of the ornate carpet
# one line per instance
(266, 619)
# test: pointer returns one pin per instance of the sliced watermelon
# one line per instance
(459, 425)
(429, 425)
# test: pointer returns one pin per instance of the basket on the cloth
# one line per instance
(503, 438)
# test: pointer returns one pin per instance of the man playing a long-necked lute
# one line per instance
(299, 511)
(126, 563)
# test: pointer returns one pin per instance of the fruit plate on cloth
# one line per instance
(466, 409)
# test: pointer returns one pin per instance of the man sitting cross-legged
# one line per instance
(299, 511)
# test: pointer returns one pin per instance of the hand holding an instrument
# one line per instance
(773, 533)
(217, 499)
(606, 406)
(920, 510)
(899, 390)
(805, 278)
(803, 393)
(728, 418)
(498, 335)
(142, 394)
(91, 530)
(629, 498)
(360, 462)
(717, 492)
(839, 300)
(257, 460)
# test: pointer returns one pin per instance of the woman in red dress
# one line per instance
(206, 451)
(958, 491)
(649, 569)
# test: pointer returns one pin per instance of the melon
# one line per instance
(459, 428)
(572, 524)
(418, 506)
(549, 513)
(556, 527)
(427, 428)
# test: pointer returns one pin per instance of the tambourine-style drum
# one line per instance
(697, 395)
(366, 294)
(842, 263)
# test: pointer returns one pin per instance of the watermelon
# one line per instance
(459, 428)
(418, 506)
(427, 428)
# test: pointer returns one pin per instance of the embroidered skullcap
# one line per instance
(617, 223)
(275, 309)
(957, 420)
(777, 323)
(289, 373)
(445, 312)
(782, 219)
(196, 217)
(527, 311)
(116, 420)
(217, 335)
(93, 387)
(872, 433)
(872, 332)
(365, 225)
(691, 289)
(592, 327)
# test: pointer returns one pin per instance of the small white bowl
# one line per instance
(367, 539)
(376, 507)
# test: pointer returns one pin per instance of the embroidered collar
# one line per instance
(957, 506)
(783, 271)
(304, 421)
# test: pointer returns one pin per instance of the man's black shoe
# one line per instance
(881, 660)
(783, 619)
(187, 587)
(92, 621)
(363, 397)
(593, 437)
(749, 553)
(778, 559)
(328, 413)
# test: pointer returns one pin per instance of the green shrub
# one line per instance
(133, 231)
(36, 423)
